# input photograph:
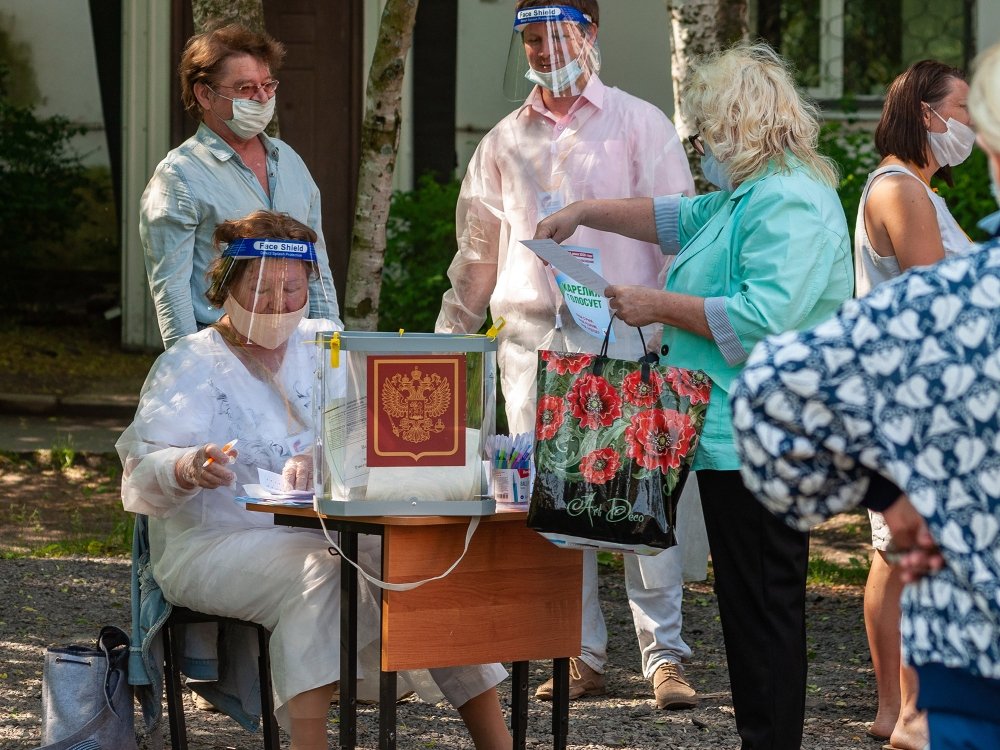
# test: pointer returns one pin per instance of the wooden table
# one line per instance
(514, 598)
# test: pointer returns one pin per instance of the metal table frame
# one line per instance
(350, 528)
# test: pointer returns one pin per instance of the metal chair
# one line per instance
(173, 681)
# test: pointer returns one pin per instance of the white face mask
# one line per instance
(558, 80)
(953, 146)
(269, 330)
(250, 117)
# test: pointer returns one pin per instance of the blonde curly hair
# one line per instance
(746, 107)
(984, 98)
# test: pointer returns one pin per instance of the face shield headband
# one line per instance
(555, 47)
(266, 304)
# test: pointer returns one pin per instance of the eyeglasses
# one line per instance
(249, 90)
(697, 144)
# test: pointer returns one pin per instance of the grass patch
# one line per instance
(823, 572)
(117, 543)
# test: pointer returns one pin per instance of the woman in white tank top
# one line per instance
(903, 222)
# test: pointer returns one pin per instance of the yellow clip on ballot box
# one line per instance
(405, 420)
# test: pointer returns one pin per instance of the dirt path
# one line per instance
(62, 600)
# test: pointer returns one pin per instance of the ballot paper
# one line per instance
(578, 274)
(271, 490)
(562, 259)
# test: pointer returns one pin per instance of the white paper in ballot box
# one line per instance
(430, 482)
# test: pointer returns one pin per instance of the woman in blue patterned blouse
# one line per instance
(895, 403)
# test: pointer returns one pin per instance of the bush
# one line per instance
(854, 151)
(970, 199)
(420, 243)
(40, 179)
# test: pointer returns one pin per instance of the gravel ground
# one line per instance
(58, 601)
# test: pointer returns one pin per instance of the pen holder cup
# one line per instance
(512, 485)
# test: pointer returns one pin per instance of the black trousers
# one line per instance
(760, 567)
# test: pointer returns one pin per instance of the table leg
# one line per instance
(387, 711)
(560, 703)
(519, 704)
(348, 642)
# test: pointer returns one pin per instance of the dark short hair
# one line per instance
(205, 54)
(900, 131)
(584, 6)
(225, 273)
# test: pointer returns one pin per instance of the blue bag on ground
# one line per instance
(86, 698)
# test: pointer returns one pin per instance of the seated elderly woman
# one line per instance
(249, 378)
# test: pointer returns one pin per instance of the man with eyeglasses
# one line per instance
(571, 138)
(227, 169)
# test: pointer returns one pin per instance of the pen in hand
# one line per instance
(225, 449)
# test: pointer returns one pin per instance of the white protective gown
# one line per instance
(210, 554)
(532, 163)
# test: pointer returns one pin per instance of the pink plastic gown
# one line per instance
(610, 145)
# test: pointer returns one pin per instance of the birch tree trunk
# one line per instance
(379, 144)
(250, 13)
(697, 28)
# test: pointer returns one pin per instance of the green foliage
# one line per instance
(854, 152)
(823, 572)
(970, 199)
(22, 88)
(420, 243)
(62, 454)
(40, 178)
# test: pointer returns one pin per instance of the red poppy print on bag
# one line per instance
(549, 417)
(614, 442)
(594, 402)
(598, 467)
(642, 392)
(566, 363)
(691, 383)
(660, 438)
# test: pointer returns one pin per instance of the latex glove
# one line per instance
(191, 470)
(298, 472)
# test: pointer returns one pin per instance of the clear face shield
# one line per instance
(267, 285)
(554, 46)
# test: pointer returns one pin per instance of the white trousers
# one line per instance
(286, 580)
(654, 586)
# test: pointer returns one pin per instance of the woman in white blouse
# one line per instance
(902, 222)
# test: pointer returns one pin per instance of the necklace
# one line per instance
(923, 178)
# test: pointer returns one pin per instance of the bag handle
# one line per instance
(647, 358)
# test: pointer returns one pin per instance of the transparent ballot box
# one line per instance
(404, 423)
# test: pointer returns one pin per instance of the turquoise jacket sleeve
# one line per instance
(679, 217)
(787, 258)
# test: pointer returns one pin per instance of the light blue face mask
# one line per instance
(558, 81)
(715, 171)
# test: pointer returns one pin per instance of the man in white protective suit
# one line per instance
(573, 138)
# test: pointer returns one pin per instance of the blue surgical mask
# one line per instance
(559, 80)
(715, 171)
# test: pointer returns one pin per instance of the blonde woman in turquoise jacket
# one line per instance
(768, 252)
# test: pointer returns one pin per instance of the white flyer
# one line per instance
(578, 274)
(571, 261)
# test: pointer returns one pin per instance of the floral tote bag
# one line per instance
(614, 441)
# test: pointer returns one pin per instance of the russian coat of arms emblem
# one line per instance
(416, 410)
